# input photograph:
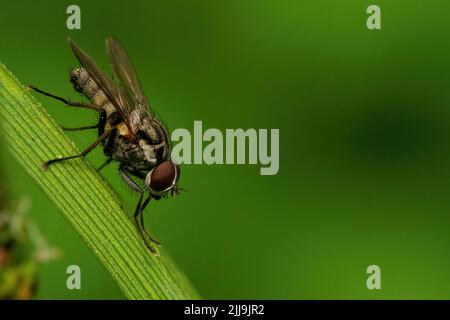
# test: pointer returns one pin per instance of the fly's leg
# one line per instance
(104, 164)
(138, 216)
(124, 174)
(82, 154)
(140, 226)
(67, 102)
(72, 104)
(80, 128)
(139, 219)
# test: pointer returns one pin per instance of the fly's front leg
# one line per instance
(138, 213)
(141, 227)
(125, 175)
(65, 101)
(141, 218)
(80, 155)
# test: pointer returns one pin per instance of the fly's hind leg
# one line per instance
(82, 154)
(65, 101)
(71, 104)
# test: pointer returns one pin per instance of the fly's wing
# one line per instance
(129, 82)
(126, 74)
(114, 93)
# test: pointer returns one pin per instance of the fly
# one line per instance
(128, 129)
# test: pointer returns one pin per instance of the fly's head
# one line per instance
(163, 178)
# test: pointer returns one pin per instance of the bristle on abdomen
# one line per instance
(83, 83)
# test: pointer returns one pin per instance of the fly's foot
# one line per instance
(153, 250)
(47, 164)
(151, 244)
(156, 242)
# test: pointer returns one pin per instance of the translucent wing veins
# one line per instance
(115, 95)
(127, 76)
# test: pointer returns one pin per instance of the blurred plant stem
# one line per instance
(85, 199)
(22, 249)
(22, 246)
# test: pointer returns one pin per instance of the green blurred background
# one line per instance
(364, 119)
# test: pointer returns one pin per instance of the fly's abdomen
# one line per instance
(83, 83)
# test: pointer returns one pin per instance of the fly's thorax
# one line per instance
(151, 136)
(123, 130)
(114, 120)
(150, 152)
(126, 152)
(135, 121)
(153, 143)
(147, 127)
(111, 119)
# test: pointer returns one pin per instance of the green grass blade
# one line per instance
(84, 198)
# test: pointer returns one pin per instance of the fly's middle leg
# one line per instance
(80, 128)
(80, 155)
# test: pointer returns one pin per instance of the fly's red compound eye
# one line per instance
(163, 177)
